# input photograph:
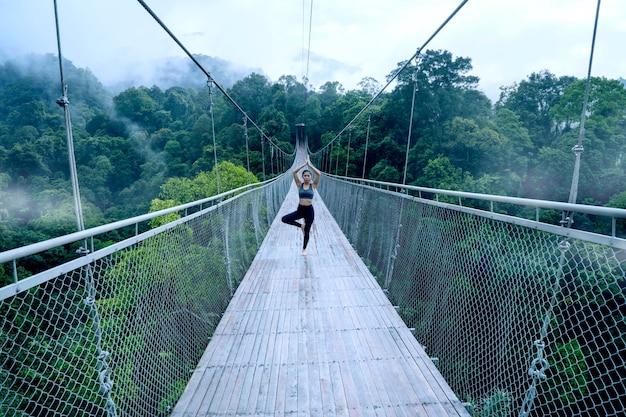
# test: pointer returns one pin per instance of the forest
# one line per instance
(145, 148)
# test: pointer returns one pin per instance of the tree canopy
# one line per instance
(146, 144)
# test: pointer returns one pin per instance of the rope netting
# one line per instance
(503, 305)
(118, 332)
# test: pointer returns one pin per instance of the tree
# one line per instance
(137, 105)
(252, 94)
(440, 173)
(103, 124)
(370, 85)
(296, 94)
(24, 161)
(178, 190)
(383, 171)
(551, 174)
(532, 100)
(329, 92)
(180, 104)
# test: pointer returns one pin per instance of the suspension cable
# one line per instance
(245, 134)
(397, 73)
(208, 75)
(367, 139)
(308, 49)
(408, 139)
(303, 32)
(540, 364)
(65, 103)
(102, 367)
(217, 171)
(578, 149)
(262, 138)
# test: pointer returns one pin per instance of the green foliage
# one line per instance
(177, 191)
(440, 173)
(157, 205)
(148, 149)
(38, 357)
(171, 276)
(618, 200)
(184, 190)
(129, 145)
(568, 363)
(498, 404)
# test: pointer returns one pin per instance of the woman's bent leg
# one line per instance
(291, 219)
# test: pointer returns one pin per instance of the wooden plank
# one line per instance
(313, 336)
(266, 366)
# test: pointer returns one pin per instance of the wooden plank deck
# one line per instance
(313, 335)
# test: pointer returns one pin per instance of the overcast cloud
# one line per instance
(350, 39)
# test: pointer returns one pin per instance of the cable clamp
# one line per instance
(63, 101)
(538, 368)
(82, 251)
(564, 245)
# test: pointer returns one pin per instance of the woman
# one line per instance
(306, 190)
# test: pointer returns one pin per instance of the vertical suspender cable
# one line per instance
(367, 139)
(245, 133)
(578, 149)
(308, 49)
(348, 153)
(217, 171)
(102, 368)
(337, 161)
(408, 139)
(263, 152)
(64, 102)
(393, 250)
(540, 364)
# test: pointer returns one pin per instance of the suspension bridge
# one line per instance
(313, 335)
(410, 302)
(188, 319)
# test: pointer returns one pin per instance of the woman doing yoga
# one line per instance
(306, 189)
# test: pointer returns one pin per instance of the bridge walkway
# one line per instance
(313, 335)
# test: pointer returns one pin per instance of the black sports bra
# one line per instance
(308, 194)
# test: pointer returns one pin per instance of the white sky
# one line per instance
(350, 39)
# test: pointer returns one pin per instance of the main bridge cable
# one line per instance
(102, 367)
(308, 49)
(415, 55)
(209, 76)
(540, 364)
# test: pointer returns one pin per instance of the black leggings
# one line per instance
(303, 212)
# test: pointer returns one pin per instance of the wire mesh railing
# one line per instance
(118, 331)
(525, 317)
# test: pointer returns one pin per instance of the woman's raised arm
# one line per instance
(318, 174)
(295, 173)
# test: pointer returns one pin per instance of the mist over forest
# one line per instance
(182, 72)
(136, 142)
